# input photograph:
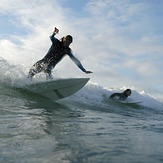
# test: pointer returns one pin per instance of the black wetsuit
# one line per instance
(121, 96)
(56, 52)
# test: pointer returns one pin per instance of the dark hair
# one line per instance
(69, 37)
(127, 90)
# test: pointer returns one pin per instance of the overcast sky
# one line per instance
(120, 41)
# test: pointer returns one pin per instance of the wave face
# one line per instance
(84, 127)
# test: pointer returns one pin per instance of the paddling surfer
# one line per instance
(123, 95)
(56, 52)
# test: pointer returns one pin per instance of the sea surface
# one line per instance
(86, 127)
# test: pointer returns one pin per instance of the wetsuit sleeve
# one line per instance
(76, 61)
(121, 96)
(115, 94)
(52, 38)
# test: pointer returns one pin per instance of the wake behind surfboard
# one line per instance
(58, 89)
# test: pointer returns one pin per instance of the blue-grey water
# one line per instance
(84, 128)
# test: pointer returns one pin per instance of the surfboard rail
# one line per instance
(59, 88)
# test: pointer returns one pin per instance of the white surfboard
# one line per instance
(132, 102)
(58, 89)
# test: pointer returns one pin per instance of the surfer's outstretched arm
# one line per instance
(78, 63)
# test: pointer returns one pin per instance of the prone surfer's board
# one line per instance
(58, 89)
(136, 102)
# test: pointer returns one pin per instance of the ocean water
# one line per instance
(86, 127)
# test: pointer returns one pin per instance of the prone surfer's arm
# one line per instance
(117, 95)
(114, 94)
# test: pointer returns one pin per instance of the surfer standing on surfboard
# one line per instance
(56, 52)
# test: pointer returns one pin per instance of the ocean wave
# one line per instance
(92, 94)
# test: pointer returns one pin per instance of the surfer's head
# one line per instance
(67, 40)
(128, 92)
